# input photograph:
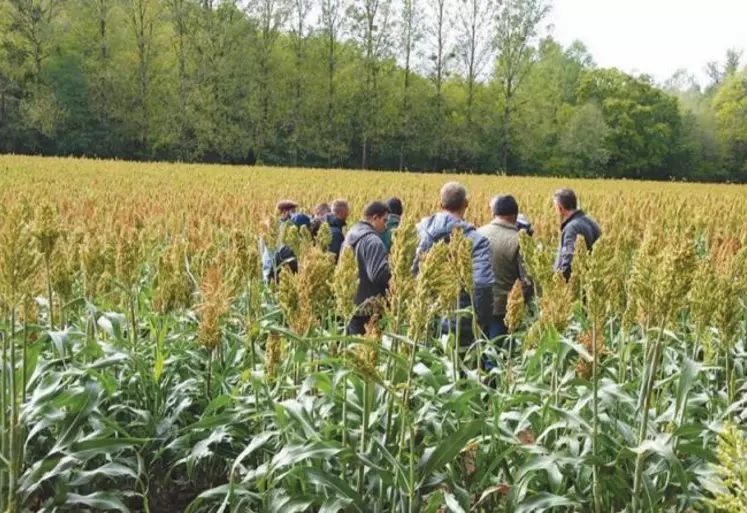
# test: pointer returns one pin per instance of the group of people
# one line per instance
(496, 258)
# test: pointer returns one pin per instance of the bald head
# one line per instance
(454, 198)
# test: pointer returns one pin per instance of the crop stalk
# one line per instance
(364, 430)
(3, 416)
(133, 337)
(595, 448)
(209, 374)
(13, 456)
(646, 387)
(49, 291)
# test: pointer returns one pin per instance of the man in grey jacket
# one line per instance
(454, 203)
(573, 222)
(364, 238)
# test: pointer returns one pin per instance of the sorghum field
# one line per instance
(146, 367)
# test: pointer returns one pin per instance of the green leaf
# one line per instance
(300, 415)
(448, 449)
(257, 442)
(399, 469)
(98, 500)
(110, 470)
(291, 505)
(292, 454)
(548, 463)
(160, 362)
(337, 485)
(688, 375)
(542, 502)
(334, 505)
(452, 503)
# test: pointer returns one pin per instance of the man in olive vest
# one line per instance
(503, 235)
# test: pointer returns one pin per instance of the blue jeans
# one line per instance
(497, 328)
(497, 334)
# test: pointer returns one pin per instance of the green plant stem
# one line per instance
(411, 499)
(405, 412)
(646, 388)
(364, 431)
(3, 417)
(455, 354)
(390, 406)
(13, 458)
(209, 374)
(344, 389)
(49, 292)
(594, 442)
(133, 337)
(24, 371)
(729, 391)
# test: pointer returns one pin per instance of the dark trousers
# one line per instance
(357, 325)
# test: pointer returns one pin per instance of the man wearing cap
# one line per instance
(503, 236)
(278, 255)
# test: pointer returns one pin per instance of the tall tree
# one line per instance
(440, 42)
(29, 38)
(179, 11)
(411, 34)
(332, 16)
(371, 26)
(476, 20)
(517, 28)
(298, 32)
(143, 15)
(730, 105)
(271, 16)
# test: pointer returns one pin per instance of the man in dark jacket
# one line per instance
(321, 212)
(454, 203)
(337, 221)
(276, 255)
(395, 216)
(573, 222)
(371, 255)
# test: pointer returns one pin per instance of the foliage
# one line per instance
(221, 393)
(430, 85)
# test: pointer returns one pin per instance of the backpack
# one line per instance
(445, 236)
(284, 258)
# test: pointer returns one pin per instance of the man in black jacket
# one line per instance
(573, 222)
(371, 255)
(337, 221)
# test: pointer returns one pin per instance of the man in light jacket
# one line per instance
(454, 204)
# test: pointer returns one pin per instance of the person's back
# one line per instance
(574, 222)
(439, 227)
(371, 258)
(503, 236)
(504, 250)
(396, 210)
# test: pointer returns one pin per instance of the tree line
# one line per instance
(428, 85)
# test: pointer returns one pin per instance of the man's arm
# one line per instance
(484, 280)
(527, 287)
(424, 245)
(565, 252)
(336, 245)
